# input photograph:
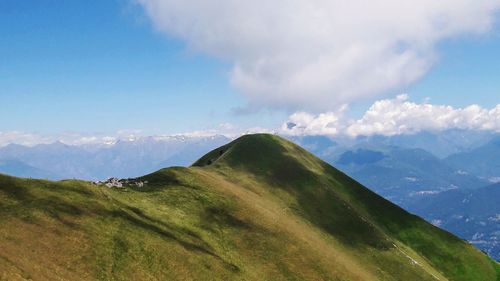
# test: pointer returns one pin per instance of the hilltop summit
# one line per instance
(258, 208)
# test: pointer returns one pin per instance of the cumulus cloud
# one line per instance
(317, 54)
(393, 117)
(384, 117)
(400, 116)
(303, 123)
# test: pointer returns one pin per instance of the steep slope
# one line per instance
(259, 208)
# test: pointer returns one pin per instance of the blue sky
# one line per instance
(102, 66)
(467, 72)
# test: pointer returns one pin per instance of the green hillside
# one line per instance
(258, 208)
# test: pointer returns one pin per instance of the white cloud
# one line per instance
(317, 54)
(227, 129)
(400, 116)
(303, 123)
(32, 139)
(396, 116)
(385, 117)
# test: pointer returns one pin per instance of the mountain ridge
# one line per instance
(257, 208)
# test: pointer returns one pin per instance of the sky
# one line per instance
(164, 67)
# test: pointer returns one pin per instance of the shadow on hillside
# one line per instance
(274, 164)
(136, 217)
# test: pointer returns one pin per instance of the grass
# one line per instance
(259, 208)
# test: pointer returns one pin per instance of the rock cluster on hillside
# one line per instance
(121, 183)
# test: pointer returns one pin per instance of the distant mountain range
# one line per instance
(405, 172)
(401, 175)
(471, 214)
(257, 208)
(98, 161)
(483, 161)
(20, 169)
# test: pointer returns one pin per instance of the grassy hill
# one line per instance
(258, 208)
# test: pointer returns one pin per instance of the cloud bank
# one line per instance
(394, 117)
(388, 117)
(32, 139)
(73, 138)
(315, 55)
